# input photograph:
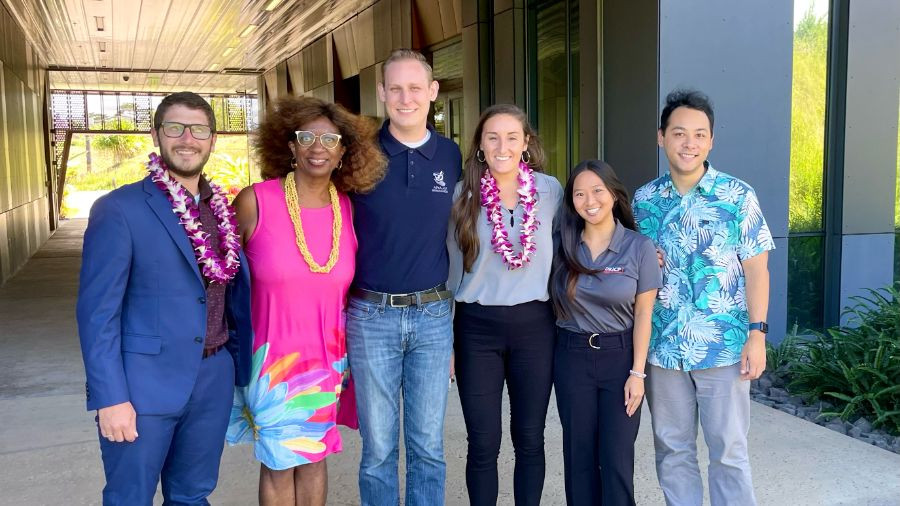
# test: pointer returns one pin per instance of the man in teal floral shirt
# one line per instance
(709, 325)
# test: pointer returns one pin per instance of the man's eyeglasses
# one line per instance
(175, 130)
(329, 141)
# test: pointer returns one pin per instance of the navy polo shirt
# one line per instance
(401, 225)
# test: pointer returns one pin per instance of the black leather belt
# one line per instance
(597, 341)
(439, 292)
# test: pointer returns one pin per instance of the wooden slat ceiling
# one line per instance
(211, 46)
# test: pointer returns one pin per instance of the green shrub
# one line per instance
(856, 367)
(779, 359)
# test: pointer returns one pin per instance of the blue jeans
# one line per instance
(394, 350)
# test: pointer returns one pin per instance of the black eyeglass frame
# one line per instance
(319, 138)
(192, 127)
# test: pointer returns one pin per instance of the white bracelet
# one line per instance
(638, 374)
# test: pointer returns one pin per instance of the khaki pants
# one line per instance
(720, 401)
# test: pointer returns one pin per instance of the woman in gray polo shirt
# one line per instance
(501, 251)
(604, 283)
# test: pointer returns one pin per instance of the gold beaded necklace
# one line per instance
(293, 205)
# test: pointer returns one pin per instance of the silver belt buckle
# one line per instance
(591, 343)
(398, 295)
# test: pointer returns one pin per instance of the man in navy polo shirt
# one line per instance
(399, 328)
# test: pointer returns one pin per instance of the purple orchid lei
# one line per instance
(213, 267)
(490, 200)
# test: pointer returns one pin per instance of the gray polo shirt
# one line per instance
(490, 283)
(604, 302)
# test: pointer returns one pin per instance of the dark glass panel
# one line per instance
(806, 283)
(552, 85)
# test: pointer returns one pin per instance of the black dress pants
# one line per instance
(513, 344)
(598, 436)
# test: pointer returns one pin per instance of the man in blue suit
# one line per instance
(164, 318)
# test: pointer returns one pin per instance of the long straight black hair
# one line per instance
(566, 267)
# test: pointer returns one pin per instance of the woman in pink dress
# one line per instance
(297, 229)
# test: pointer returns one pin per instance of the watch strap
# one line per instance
(760, 326)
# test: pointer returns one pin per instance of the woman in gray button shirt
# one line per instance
(604, 283)
(501, 251)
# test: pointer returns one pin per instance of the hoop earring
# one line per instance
(479, 155)
(293, 163)
(340, 164)
(526, 159)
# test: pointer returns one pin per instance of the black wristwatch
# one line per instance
(760, 326)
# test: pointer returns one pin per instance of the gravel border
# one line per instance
(771, 391)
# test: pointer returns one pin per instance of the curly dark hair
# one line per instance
(364, 163)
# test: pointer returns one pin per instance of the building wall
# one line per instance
(24, 201)
(354, 51)
(740, 54)
(632, 54)
(870, 149)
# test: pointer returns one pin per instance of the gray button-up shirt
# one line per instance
(604, 301)
(491, 283)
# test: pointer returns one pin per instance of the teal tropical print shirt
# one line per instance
(700, 316)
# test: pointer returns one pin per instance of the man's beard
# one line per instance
(180, 171)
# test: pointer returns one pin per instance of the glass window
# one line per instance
(897, 210)
(806, 283)
(553, 104)
(448, 108)
(126, 112)
(439, 115)
(95, 111)
(110, 111)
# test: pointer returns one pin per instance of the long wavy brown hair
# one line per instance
(364, 164)
(467, 207)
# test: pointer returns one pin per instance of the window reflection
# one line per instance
(447, 110)
(555, 25)
(806, 283)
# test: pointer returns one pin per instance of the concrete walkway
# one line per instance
(49, 453)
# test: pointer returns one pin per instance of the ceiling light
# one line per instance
(101, 25)
(272, 5)
(247, 31)
(228, 51)
(214, 66)
(101, 46)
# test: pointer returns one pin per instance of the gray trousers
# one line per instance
(722, 401)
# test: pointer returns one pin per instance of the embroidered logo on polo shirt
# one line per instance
(439, 185)
(613, 270)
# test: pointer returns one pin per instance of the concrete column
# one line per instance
(630, 88)
(870, 148)
(590, 92)
(509, 53)
(704, 45)
(369, 104)
(477, 60)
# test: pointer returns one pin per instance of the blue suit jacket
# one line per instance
(142, 305)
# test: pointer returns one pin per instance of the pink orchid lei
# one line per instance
(490, 200)
(213, 267)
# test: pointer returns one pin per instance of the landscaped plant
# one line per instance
(856, 367)
(229, 172)
(780, 358)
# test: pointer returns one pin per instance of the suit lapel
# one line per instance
(160, 205)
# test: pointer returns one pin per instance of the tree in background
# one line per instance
(121, 146)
